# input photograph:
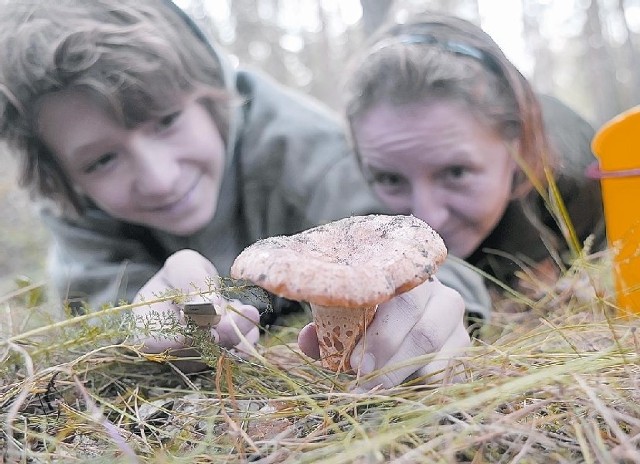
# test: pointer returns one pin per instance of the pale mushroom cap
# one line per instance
(354, 262)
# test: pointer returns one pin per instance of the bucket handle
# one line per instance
(593, 171)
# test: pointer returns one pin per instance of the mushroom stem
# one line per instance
(339, 330)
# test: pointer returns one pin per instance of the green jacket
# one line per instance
(288, 167)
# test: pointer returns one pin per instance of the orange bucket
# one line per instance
(617, 147)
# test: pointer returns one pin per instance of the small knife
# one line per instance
(203, 314)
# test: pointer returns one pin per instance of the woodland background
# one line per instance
(585, 52)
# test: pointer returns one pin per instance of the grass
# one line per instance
(554, 378)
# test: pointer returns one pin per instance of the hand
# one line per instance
(428, 319)
(190, 272)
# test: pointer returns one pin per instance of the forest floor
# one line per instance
(554, 377)
(23, 241)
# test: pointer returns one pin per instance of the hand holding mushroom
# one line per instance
(188, 272)
(427, 319)
(349, 269)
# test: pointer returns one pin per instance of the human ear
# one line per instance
(518, 176)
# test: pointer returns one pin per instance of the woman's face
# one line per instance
(439, 163)
(164, 173)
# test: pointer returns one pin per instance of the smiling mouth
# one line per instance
(173, 204)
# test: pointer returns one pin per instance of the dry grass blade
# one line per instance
(555, 378)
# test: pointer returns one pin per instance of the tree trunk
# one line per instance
(631, 59)
(600, 67)
(374, 14)
(543, 65)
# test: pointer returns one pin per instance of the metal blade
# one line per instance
(202, 314)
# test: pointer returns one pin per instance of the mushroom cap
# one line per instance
(353, 262)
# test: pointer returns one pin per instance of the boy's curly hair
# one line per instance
(134, 57)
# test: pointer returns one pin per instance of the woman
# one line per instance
(446, 128)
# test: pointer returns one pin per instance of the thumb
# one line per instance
(308, 341)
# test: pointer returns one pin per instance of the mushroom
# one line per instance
(344, 270)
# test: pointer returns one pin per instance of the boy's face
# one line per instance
(164, 173)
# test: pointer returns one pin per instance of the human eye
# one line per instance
(100, 163)
(167, 121)
(387, 180)
(455, 172)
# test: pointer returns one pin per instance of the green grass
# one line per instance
(553, 378)
(554, 381)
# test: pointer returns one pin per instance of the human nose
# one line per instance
(428, 206)
(156, 170)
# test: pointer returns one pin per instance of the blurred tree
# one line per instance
(581, 51)
(629, 59)
(374, 14)
(468, 9)
(599, 65)
(325, 59)
(544, 64)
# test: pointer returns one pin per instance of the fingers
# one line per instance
(189, 272)
(414, 324)
(184, 270)
(237, 318)
(441, 368)
(393, 320)
(436, 307)
(238, 329)
(308, 341)
(158, 343)
(245, 348)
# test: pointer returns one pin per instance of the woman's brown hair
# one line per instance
(435, 57)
